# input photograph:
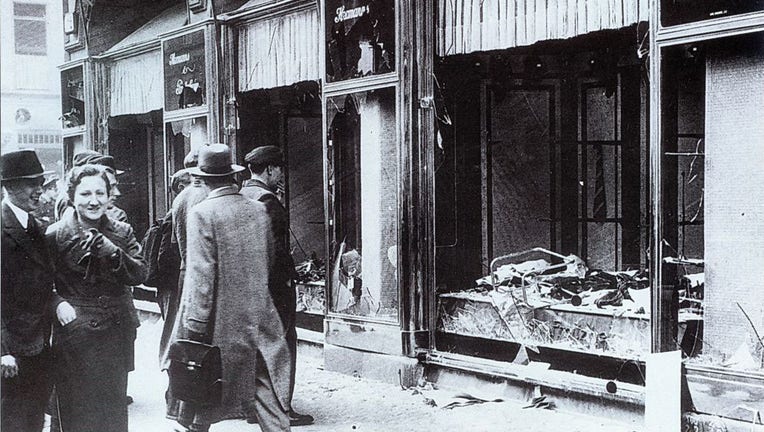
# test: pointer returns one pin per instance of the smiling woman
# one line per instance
(89, 192)
(97, 260)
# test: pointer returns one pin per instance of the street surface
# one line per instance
(347, 403)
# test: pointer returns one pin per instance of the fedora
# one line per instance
(21, 164)
(215, 161)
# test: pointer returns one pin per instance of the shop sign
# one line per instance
(360, 38)
(185, 81)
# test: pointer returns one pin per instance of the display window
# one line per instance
(360, 38)
(541, 187)
(73, 98)
(181, 137)
(711, 218)
(363, 195)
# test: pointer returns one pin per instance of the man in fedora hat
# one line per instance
(227, 299)
(266, 166)
(27, 288)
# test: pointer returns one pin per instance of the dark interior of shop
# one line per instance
(290, 117)
(136, 143)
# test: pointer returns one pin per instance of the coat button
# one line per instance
(93, 323)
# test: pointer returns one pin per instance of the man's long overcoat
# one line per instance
(231, 252)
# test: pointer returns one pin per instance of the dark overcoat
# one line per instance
(230, 259)
(27, 288)
(94, 353)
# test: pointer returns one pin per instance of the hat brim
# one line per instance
(196, 171)
(28, 176)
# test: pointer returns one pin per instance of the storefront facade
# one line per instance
(531, 192)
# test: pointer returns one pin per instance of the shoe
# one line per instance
(295, 419)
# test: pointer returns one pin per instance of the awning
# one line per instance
(171, 18)
(466, 26)
(279, 51)
(135, 84)
(135, 69)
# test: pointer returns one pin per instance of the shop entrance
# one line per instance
(135, 142)
(290, 117)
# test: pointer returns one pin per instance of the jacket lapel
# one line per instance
(12, 227)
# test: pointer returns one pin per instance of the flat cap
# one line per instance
(266, 155)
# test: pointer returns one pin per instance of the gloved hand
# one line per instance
(99, 245)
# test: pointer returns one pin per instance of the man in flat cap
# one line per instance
(266, 166)
(27, 288)
(227, 299)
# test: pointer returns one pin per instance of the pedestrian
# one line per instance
(97, 260)
(27, 290)
(227, 300)
(95, 158)
(46, 211)
(168, 263)
(188, 197)
(266, 166)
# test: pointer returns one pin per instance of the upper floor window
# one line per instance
(29, 29)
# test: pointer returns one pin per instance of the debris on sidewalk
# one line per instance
(466, 399)
(541, 402)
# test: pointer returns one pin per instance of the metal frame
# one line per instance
(663, 37)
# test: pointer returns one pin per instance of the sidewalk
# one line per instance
(346, 403)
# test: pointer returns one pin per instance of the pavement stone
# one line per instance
(354, 404)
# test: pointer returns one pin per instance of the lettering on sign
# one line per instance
(348, 14)
(178, 59)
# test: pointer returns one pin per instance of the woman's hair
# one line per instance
(76, 175)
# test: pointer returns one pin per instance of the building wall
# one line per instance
(30, 81)
(734, 198)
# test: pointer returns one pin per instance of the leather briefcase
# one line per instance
(195, 372)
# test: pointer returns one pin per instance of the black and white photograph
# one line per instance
(382, 215)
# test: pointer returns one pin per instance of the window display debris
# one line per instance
(311, 280)
(311, 270)
(311, 298)
(565, 304)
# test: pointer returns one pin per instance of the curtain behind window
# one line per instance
(279, 51)
(466, 26)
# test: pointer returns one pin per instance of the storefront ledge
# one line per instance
(733, 394)
(694, 422)
(310, 337)
(570, 392)
(365, 336)
(391, 369)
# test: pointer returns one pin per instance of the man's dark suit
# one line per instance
(27, 286)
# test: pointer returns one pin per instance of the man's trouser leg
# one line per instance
(271, 416)
(25, 396)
